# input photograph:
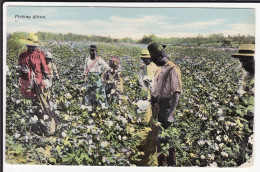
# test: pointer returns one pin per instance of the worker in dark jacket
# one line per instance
(165, 96)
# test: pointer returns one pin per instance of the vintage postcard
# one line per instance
(129, 84)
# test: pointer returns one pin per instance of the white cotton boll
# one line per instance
(104, 144)
(110, 123)
(216, 147)
(233, 124)
(201, 142)
(64, 134)
(202, 157)
(224, 154)
(22, 120)
(221, 118)
(68, 95)
(35, 118)
(45, 117)
(231, 104)
(220, 111)
(90, 121)
(211, 156)
(103, 106)
(218, 138)
(214, 164)
(251, 140)
(119, 137)
(83, 107)
(142, 104)
(26, 138)
(204, 118)
(124, 121)
(17, 135)
(113, 91)
(208, 142)
(89, 108)
(42, 121)
(17, 101)
(221, 145)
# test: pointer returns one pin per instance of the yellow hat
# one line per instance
(32, 40)
(245, 50)
(145, 54)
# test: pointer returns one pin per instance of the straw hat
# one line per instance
(145, 54)
(32, 40)
(245, 50)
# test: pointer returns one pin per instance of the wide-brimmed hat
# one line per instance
(145, 54)
(245, 50)
(32, 40)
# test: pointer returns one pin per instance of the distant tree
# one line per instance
(14, 46)
(226, 43)
(147, 39)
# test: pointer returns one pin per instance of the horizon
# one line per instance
(204, 36)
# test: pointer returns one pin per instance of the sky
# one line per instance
(119, 22)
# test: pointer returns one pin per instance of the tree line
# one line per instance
(211, 40)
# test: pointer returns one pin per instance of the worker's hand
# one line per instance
(24, 69)
(171, 118)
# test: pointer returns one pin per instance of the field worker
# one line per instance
(165, 96)
(246, 57)
(94, 69)
(33, 69)
(148, 145)
(146, 75)
(112, 79)
(246, 89)
(54, 76)
(52, 67)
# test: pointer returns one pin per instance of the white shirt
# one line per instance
(99, 67)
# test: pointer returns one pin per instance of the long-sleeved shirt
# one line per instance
(99, 67)
(147, 72)
(167, 81)
(36, 64)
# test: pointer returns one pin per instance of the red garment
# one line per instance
(36, 63)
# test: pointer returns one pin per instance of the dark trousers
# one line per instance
(165, 105)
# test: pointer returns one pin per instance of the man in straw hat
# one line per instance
(246, 57)
(246, 88)
(33, 69)
(148, 145)
(94, 69)
(148, 70)
(165, 96)
(146, 75)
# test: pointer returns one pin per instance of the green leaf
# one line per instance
(53, 160)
